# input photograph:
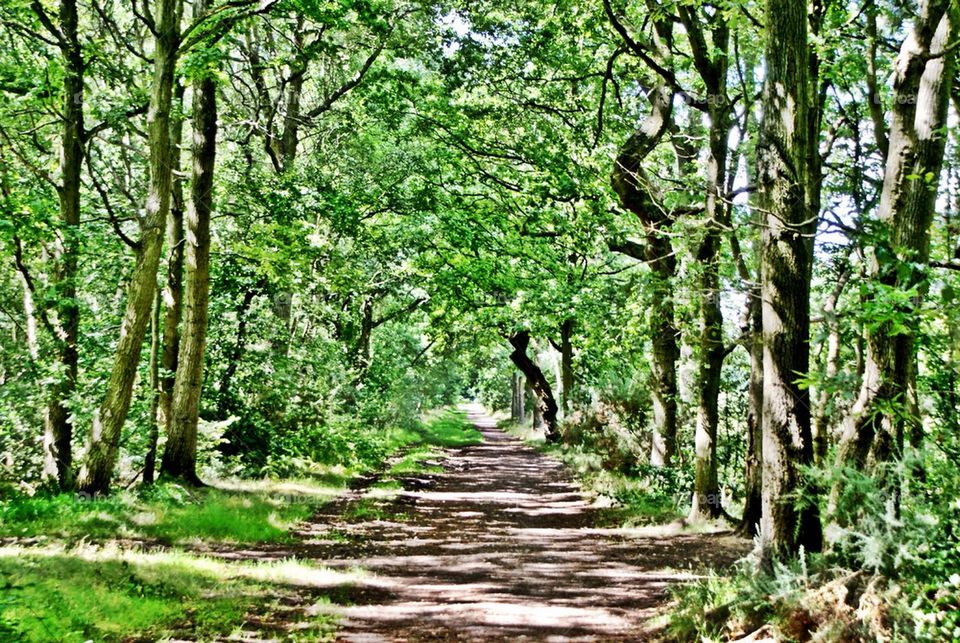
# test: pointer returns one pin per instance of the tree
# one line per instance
(786, 264)
(711, 61)
(180, 454)
(104, 439)
(639, 196)
(922, 81)
(543, 394)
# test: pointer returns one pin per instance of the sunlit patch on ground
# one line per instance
(502, 545)
(498, 544)
(110, 591)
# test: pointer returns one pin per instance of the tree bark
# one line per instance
(180, 454)
(30, 321)
(639, 196)
(522, 386)
(537, 418)
(153, 434)
(513, 398)
(711, 63)
(173, 287)
(753, 471)
(566, 365)
(922, 81)
(58, 426)
(544, 402)
(236, 354)
(822, 409)
(108, 420)
(786, 260)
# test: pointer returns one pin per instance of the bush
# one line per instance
(601, 429)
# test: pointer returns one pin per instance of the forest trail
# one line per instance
(500, 546)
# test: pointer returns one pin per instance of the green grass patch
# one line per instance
(415, 462)
(449, 429)
(103, 594)
(77, 591)
(235, 512)
(371, 509)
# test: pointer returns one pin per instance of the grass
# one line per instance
(169, 513)
(111, 594)
(80, 579)
(369, 509)
(449, 429)
(415, 462)
(232, 511)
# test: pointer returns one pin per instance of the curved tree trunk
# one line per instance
(922, 81)
(108, 420)
(544, 401)
(639, 196)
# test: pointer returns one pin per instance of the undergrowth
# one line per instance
(891, 572)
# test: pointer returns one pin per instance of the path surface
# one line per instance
(501, 546)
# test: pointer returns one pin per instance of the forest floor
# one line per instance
(497, 543)
(467, 533)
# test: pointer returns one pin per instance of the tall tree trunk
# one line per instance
(58, 426)
(753, 471)
(922, 81)
(513, 398)
(823, 409)
(108, 420)
(544, 402)
(566, 364)
(180, 454)
(522, 386)
(711, 61)
(706, 488)
(30, 321)
(173, 286)
(153, 434)
(666, 350)
(236, 353)
(639, 196)
(360, 357)
(786, 269)
(285, 157)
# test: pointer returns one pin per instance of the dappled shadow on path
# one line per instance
(501, 546)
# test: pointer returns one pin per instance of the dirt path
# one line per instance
(498, 547)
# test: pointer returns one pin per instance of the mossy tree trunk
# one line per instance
(101, 457)
(786, 270)
(180, 454)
